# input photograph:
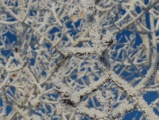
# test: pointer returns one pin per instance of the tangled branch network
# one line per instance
(79, 59)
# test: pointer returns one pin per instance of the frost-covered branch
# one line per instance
(78, 59)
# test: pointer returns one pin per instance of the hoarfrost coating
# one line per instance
(79, 59)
